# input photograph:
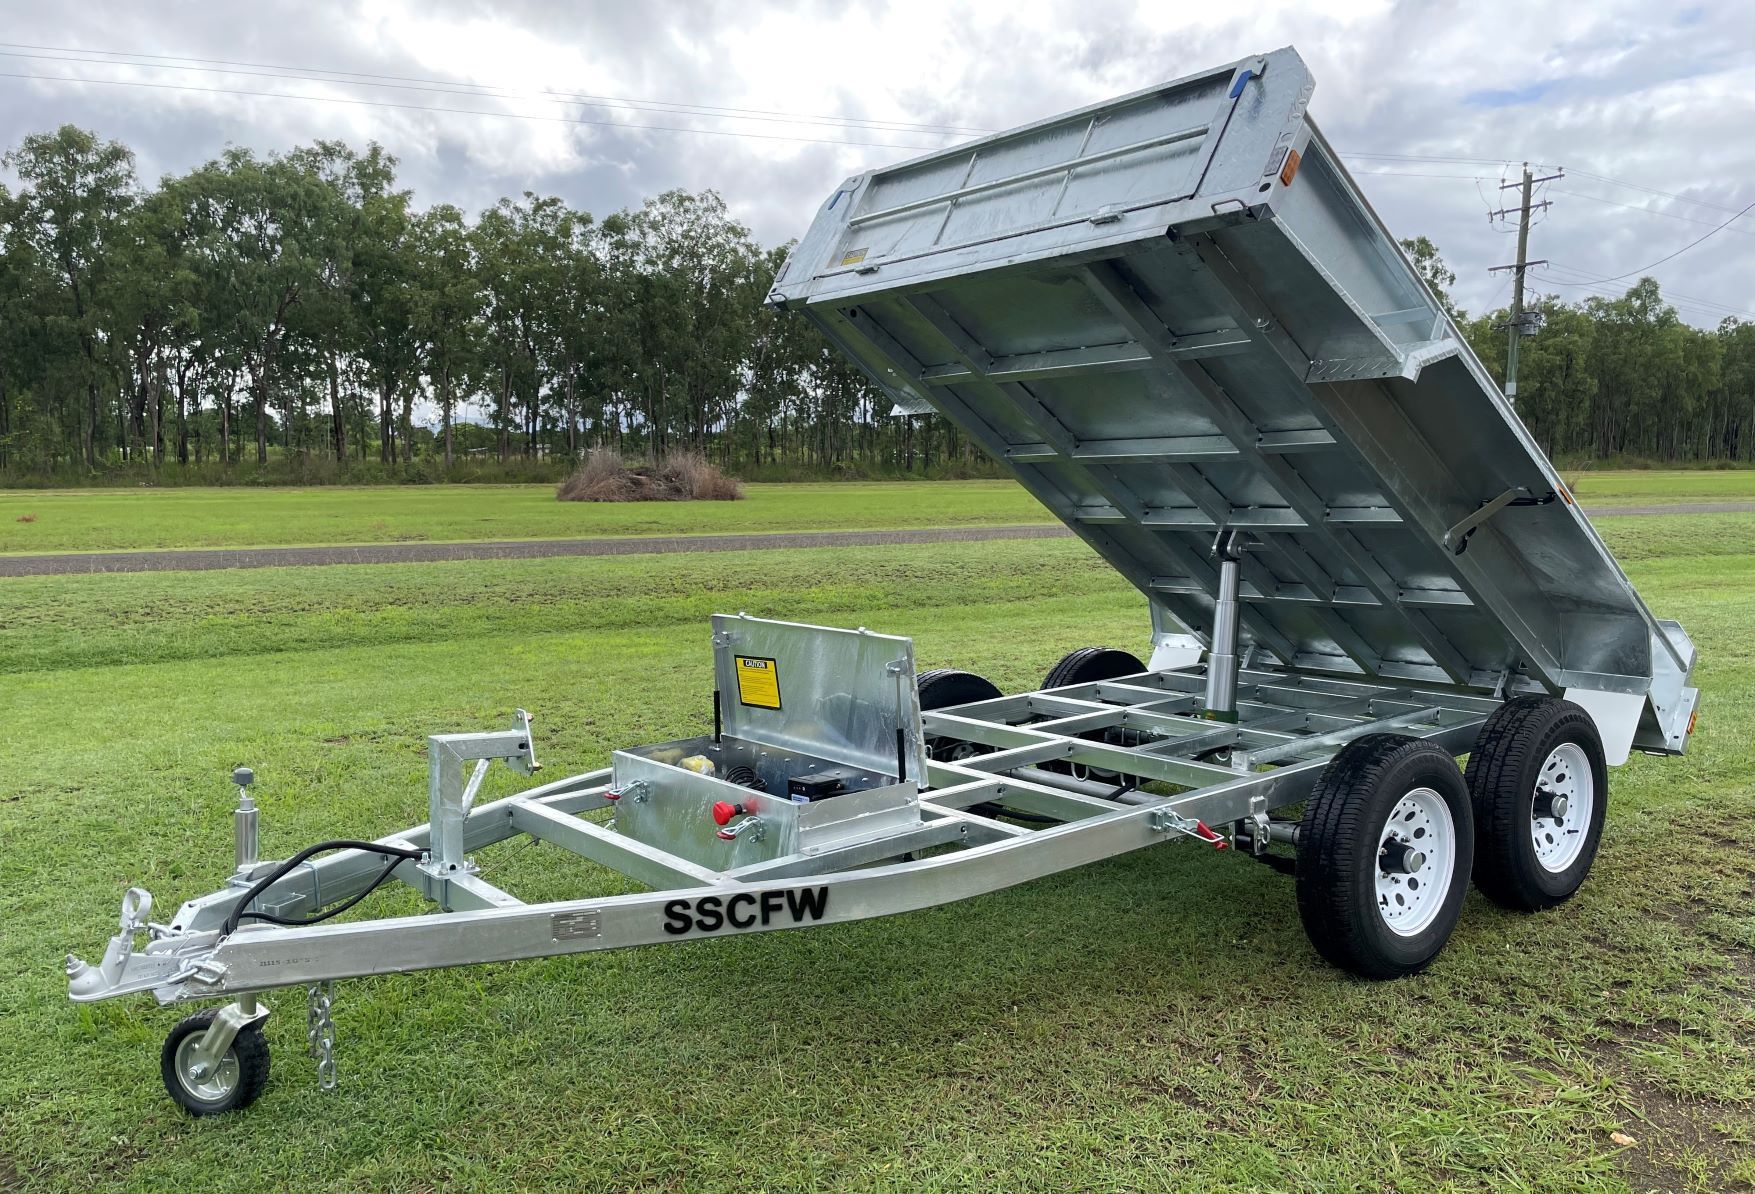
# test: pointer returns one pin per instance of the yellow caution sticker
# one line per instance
(758, 682)
(853, 257)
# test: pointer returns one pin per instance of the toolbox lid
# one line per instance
(847, 696)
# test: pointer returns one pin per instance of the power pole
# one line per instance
(1517, 324)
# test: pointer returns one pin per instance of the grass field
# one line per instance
(121, 520)
(1653, 487)
(1155, 1021)
(100, 519)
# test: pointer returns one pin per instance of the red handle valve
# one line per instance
(724, 810)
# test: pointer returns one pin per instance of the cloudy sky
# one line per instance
(1648, 107)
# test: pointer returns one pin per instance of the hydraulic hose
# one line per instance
(241, 913)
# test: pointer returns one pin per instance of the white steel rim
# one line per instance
(1565, 775)
(1409, 900)
(210, 1087)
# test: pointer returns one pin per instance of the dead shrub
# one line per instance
(701, 480)
(605, 477)
(602, 478)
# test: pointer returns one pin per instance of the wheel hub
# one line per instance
(1561, 807)
(1416, 859)
(209, 1083)
(1551, 804)
(1398, 858)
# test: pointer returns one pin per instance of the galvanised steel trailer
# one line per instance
(1178, 322)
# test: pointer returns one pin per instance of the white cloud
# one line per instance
(1645, 93)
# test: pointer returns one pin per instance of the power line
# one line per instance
(365, 103)
(668, 107)
(1705, 307)
(1585, 279)
(481, 92)
(1650, 211)
(1699, 310)
(1619, 182)
(1672, 256)
(456, 87)
(1415, 157)
(1413, 174)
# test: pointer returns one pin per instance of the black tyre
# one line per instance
(236, 1082)
(1088, 665)
(1384, 852)
(1540, 790)
(943, 687)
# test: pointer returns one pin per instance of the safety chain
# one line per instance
(320, 1031)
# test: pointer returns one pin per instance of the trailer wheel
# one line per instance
(1384, 852)
(944, 687)
(1540, 789)
(1087, 665)
(235, 1082)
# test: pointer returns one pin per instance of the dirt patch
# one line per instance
(1666, 1128)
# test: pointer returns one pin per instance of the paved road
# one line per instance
(523, 549)
(1674, 508)
(526, 549)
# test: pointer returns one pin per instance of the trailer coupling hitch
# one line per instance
(124, 972)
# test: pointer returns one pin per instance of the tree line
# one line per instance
(1619, 378)
(297, 307)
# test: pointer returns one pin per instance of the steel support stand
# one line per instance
(1222, 657)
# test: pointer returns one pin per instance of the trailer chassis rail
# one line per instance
(1289, 727)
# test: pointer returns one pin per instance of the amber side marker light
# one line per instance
(1290, 170)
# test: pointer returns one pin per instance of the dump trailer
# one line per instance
(1176, 320)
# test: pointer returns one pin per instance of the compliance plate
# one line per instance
(571, 926)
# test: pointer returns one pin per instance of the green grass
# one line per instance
(122, 520)
(144, 519)
(1654, 487)
(1156, 1021)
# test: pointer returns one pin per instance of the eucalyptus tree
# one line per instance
(386, 300)
(328, 314)
(1439, 277)
(18, 270)
(1736, 340)
(77, 192)
(696, 276)
(154, 316)
(575, 325)
(255, 235)
(447, 306)
(519, 280)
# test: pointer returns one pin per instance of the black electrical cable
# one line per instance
(239, 914)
